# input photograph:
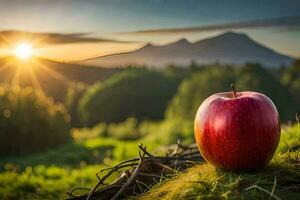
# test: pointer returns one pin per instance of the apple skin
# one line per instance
(237, 133)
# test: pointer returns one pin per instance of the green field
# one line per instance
(51, 174)
(48, 148)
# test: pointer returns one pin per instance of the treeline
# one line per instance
(137, 102)
(195, 84)
(177, 92)
(251, 77)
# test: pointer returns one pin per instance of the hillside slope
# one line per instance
(51, 76)
(279, 180)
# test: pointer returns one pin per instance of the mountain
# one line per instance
(227, 48)
(51, 76)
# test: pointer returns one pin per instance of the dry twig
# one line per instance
(141, 173)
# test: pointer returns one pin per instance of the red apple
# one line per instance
(237, 131)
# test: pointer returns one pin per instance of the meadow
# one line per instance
(279, 180)
(51, 144)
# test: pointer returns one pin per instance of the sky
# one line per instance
(70, 30)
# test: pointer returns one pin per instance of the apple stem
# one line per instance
(233, 89)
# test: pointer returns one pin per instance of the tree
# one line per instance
(291, 77)
(255, 78)
(74, 94)
(194, 90)
(135, 92)
(30, 122)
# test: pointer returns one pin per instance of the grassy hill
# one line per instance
(51, 76)
(279, 180)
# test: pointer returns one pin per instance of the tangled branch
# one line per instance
(141, 173)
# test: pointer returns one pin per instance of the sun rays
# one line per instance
(24, 67)
(29, 72)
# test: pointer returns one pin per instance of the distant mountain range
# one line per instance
(227, 48)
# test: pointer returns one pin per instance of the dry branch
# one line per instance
(140, 174)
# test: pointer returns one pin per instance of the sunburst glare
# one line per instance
(23, 51)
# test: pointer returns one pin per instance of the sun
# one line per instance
(23, 51)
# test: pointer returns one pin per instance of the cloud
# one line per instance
(288, 23)
(12, 36)
(291, 29)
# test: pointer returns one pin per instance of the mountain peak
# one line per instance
(231, 34)
(148, 45)
(182, 41)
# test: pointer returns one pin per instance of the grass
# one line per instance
(91, 151)
(279, 180)
(49, 175)
(43, 182)
(52, 174)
